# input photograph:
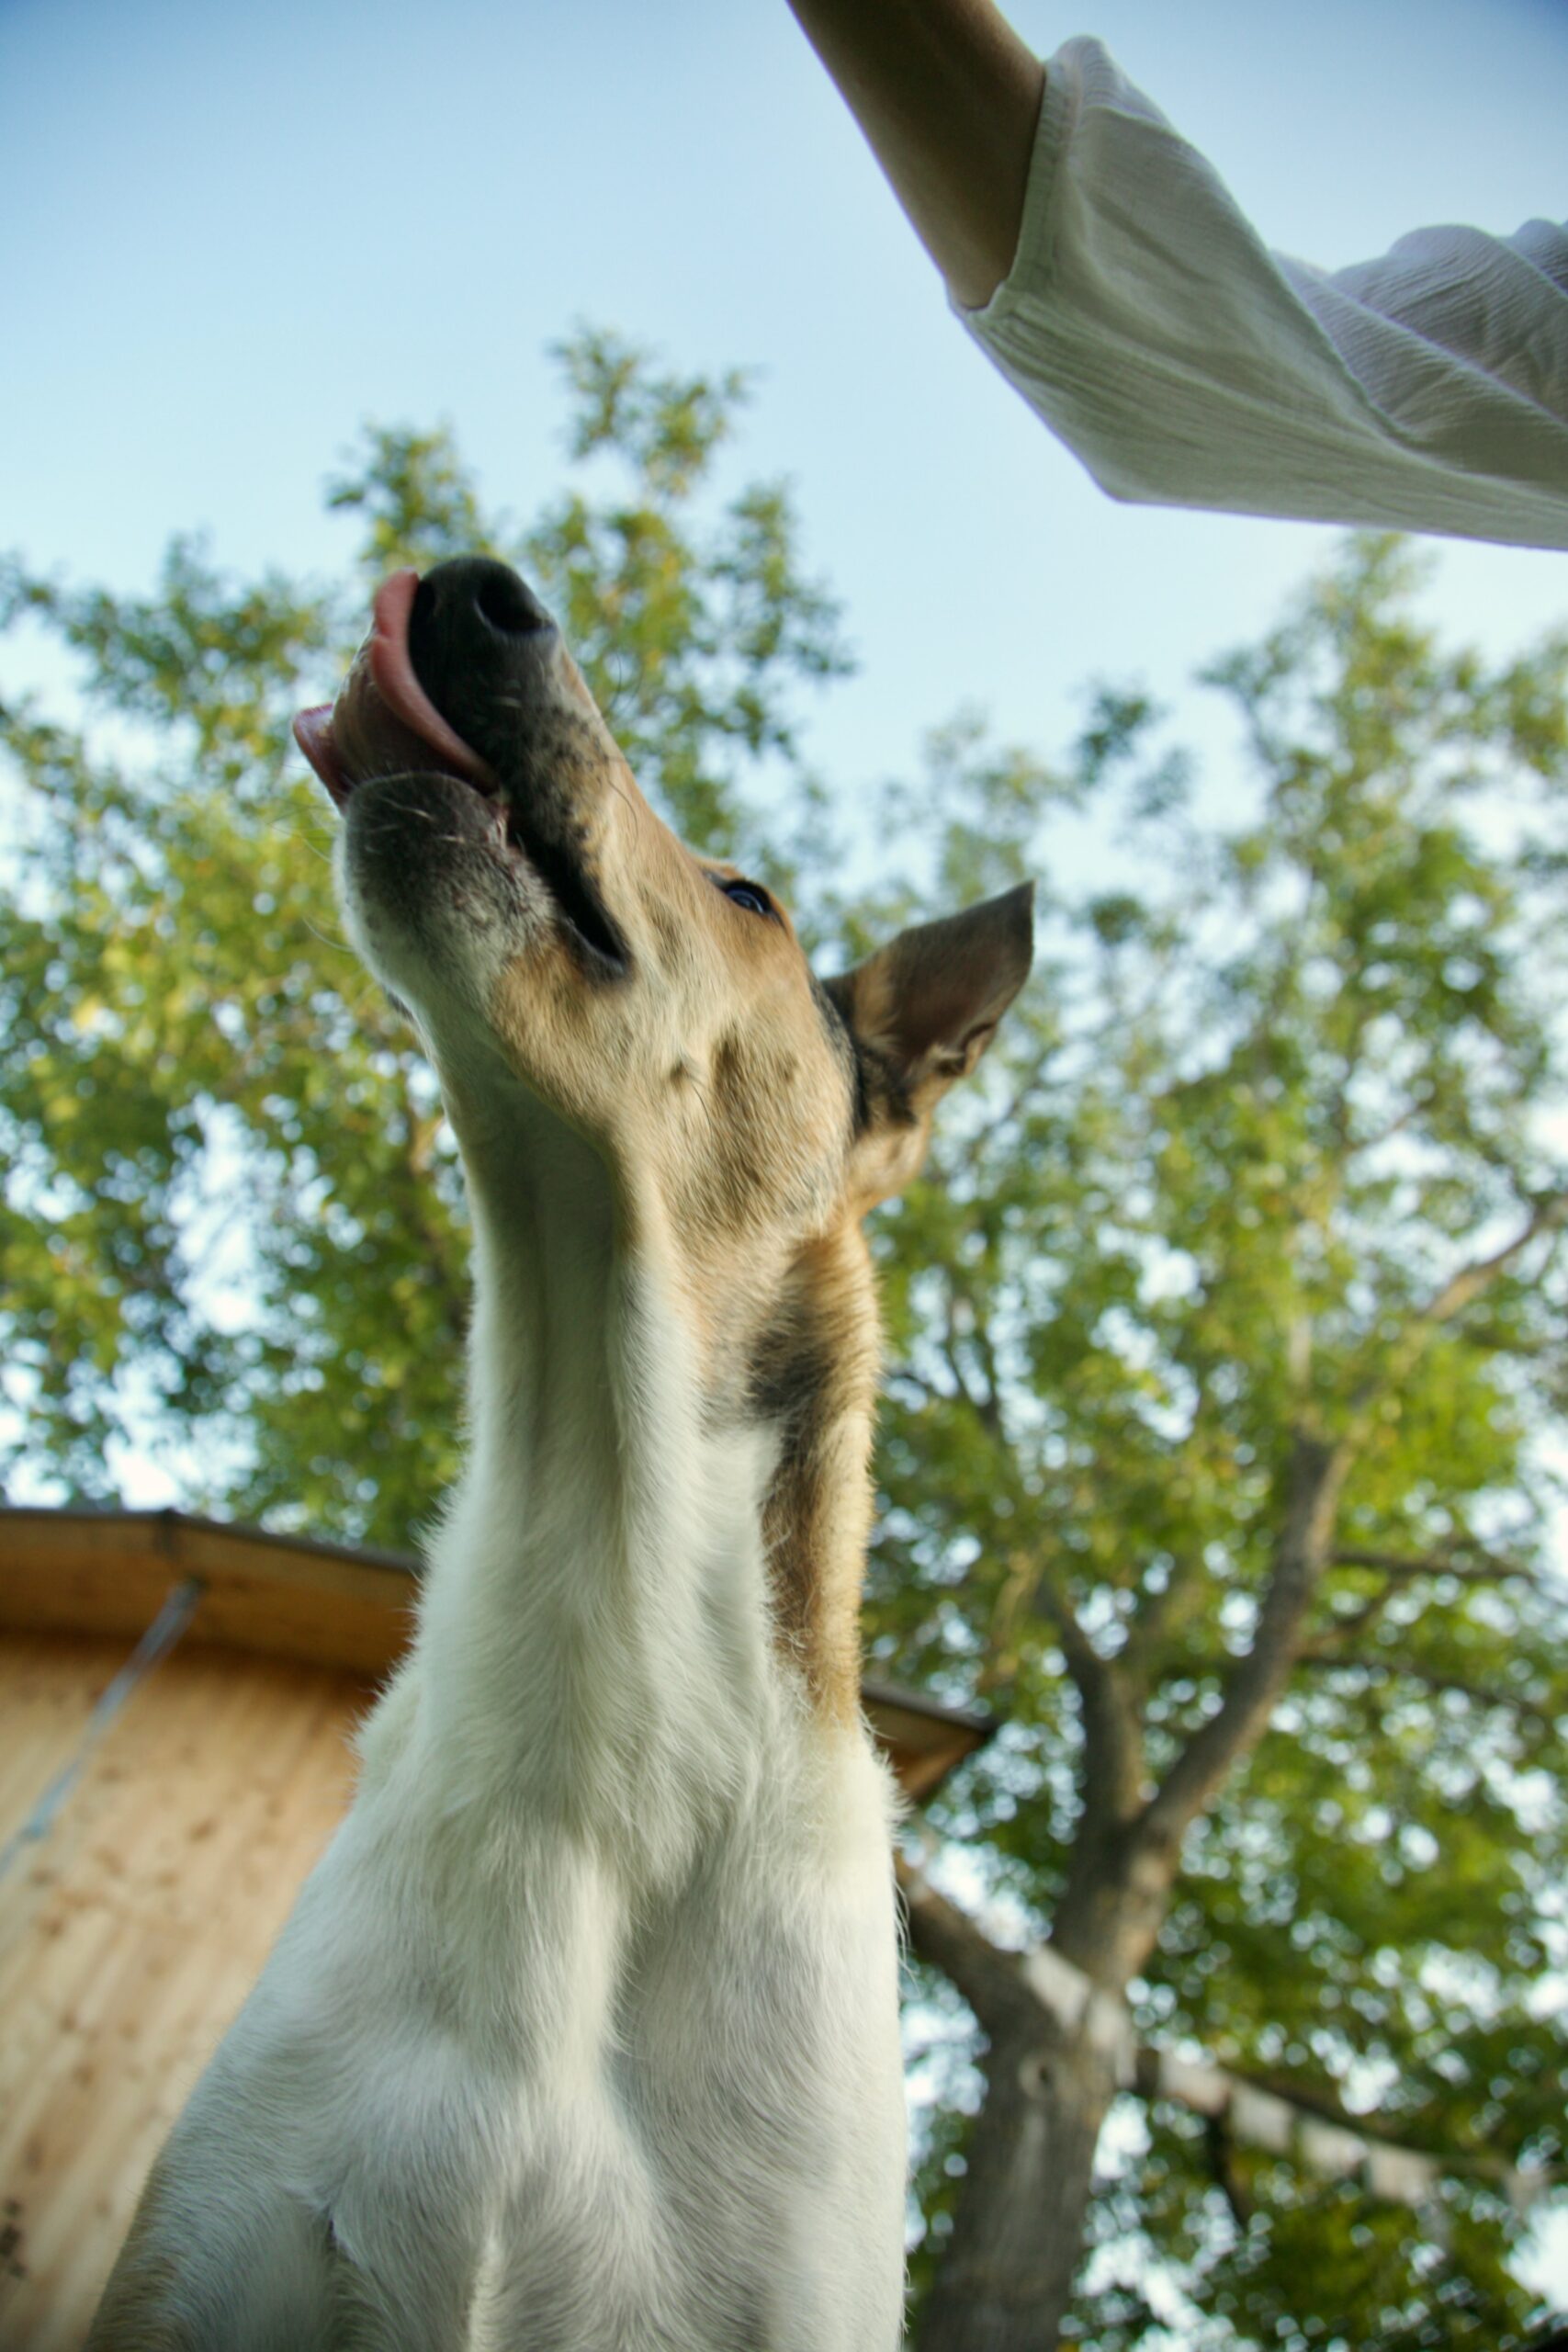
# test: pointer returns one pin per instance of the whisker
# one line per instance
(339, 946)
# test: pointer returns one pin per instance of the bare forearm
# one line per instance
(948, 97)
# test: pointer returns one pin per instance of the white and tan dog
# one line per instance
(583, 2034)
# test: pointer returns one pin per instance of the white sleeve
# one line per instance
(1186, 365)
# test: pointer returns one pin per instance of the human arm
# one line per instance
(947, 96)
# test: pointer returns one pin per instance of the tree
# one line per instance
(1225, 1337)
(1221, 1345)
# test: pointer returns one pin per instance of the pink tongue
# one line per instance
(313, 733)
(401, 690)
(393, 685)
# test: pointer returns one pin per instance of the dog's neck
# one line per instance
(659, 1538)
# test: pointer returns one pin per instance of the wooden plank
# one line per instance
(130, 1936)
(46, 1692)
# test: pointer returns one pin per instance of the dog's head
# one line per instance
(505, 877)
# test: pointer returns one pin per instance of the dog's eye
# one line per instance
(749, 895)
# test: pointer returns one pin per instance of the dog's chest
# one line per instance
(737, 2129)
(636, 2119)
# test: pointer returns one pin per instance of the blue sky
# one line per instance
(228, 235)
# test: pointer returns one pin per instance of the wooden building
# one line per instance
(175, 1703)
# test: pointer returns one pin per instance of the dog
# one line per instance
(582, 2036)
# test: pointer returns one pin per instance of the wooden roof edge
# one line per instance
(894, 1695)
(163, 1531)
(170, 1525)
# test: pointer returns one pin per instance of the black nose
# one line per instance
(477, 639)
(506, 604)
(474, 590)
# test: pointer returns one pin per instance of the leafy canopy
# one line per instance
(1275, 1162)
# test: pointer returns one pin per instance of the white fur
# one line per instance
(582, 2037)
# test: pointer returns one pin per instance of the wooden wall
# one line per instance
(130, 1934)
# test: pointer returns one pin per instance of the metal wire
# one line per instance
(156, 1642)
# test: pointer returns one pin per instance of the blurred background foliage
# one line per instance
(1290, 1070)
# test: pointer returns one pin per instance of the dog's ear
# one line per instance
(922, 1011)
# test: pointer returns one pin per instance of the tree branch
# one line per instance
(1221, 2146)
(1481, 1568)
(992, 1415)
(991, 1979)
(1402, 1670)
(1112, 1776)
(1316, 1475)
(1549, 1216)
(1354, 1623)
(1156, 1613)
(1399, 1568)
(986, 1409)
(1308, 2123)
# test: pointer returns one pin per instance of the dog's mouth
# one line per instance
(385, 724)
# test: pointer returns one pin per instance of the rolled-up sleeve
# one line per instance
(1186, 365)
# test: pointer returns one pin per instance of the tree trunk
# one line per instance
(1009, 2267)
(1006, 2277)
